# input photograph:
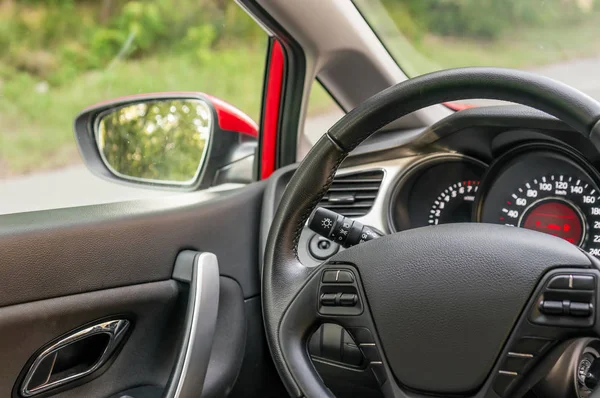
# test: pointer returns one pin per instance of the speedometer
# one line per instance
(558, 205)
(550, 191)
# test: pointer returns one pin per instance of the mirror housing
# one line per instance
(227, 154)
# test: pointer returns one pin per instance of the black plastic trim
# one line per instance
(119, 244)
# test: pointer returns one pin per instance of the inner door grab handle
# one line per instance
(201, 272)
(51, 369)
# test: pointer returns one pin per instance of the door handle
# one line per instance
(73, 357)
(201, 272)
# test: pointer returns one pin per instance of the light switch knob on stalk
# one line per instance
(342, 230)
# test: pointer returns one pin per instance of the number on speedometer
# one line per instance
(559, 205)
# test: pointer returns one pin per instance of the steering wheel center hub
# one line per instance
(453, 293)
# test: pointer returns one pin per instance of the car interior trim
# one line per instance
(272, 109)
(115, 329)
(201, 272)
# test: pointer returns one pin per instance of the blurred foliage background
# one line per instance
(58, 56)
(428, 35)
(482, 19)
(156, 140)
(59, 39)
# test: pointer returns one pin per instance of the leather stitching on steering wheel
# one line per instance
(316, 200)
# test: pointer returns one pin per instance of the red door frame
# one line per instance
(272, 108)
(283, 92)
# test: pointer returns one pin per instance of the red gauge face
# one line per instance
(555, 218)
(546, 191)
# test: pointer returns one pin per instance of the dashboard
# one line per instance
(539, 185)
(543, 187)
(504, 165)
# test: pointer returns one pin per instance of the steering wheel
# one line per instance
(441, 310)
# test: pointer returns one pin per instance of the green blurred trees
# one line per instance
(58, 39)
(481, 19)
(157, 140)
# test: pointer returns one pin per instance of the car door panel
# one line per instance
(146, 357)
(54, 253)
(229, 341)
(65, 268)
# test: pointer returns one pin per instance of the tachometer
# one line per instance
(550, 191)
(454, 204)
(439, 189)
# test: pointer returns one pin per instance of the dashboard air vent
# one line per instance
(353, 195)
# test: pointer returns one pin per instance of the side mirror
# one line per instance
(186, 141)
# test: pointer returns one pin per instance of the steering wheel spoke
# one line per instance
(341, 300)
(561, 308)
(334, 294)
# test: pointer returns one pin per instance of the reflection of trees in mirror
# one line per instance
(157, 140)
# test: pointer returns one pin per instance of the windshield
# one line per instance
(555, 38)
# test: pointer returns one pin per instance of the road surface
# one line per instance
(76, 186)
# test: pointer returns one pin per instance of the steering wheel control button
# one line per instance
(505, 380)
(338, 293)
(345, 277)
(362, 335)
(580, 309)
(584, 282)
(350, 351)
(331, 342)
(566, 301)
(322, 248)
(348, 299)
(370, 352)
(329, 299)
(339, 299)
(519, 355)
(572, 282)
(561, 282)
(330, 276)
(337, 276)
(379, 372)
(552, 307)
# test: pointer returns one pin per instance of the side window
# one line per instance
(59, 57)
(322, 113)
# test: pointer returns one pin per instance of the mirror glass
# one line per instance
(162, 141)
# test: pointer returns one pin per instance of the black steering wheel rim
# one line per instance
(283, 274)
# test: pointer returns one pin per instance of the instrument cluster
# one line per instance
(543, 187)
